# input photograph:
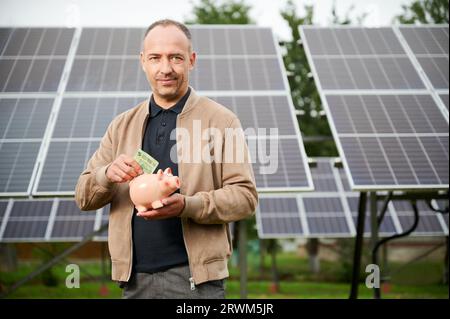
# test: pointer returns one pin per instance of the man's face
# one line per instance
(166, 60)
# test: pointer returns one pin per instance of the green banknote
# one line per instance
(148, 163)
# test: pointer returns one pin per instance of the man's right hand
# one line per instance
(123, 169)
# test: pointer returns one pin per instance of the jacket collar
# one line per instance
(190, 103)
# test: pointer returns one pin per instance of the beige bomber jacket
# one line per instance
(216, 193)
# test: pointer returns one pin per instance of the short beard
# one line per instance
(172, 96)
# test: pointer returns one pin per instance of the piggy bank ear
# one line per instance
(159, 174)
(168, 171)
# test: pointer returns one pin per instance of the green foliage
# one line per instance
(319, 149)
(345, 250)
(425, 12)
(48, 277)
(296, 281)
(226, 12)
(346, 20)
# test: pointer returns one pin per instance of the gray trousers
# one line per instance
(172, 283)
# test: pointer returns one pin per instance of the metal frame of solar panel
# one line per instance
(331, 211)
(101, 77)
(389, 122)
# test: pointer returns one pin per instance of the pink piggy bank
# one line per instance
(147, 190)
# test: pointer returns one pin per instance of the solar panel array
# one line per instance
(62, 87)
(331, 211)
(385, 91)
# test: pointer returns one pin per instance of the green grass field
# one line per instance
(419, 280)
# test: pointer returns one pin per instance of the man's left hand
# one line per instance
(173, 206)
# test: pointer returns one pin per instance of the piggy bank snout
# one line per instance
(172, 182)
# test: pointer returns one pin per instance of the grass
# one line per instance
(419, 280)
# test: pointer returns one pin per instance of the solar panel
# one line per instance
(17, 160)
(89, 117)
(103, 74)
(264, 112)
(402, 161)
(279, 217)
(367, 73)
(24, 118)
(429, 44)
(27, 221)
(430, 223)
(45, 220)
(3, 205)
(325, 216)
(103, 220)
(352, 41)
(331, 211)
(64, 162)
(388, 227)
(107, 60)
(222, 40)
(281, 171)
(255, 74)
(389, 129)
(23, 123)
(393, 114)
(70, 223)
(444, 98)
(436, 69)
(33, 59)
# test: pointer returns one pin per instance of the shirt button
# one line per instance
(163, 123)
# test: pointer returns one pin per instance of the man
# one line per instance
(181, 249)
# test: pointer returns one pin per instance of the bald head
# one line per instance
(169, 23)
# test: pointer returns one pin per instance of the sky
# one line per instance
(143, 12)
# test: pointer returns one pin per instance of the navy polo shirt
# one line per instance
(158, 244)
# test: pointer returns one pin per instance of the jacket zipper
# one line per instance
(191, 278)
(131, 247)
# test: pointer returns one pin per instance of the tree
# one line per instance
(228, 12)
(425, 12)
(346, 20)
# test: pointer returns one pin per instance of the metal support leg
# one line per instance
(406, 233)
(374, 237)
(358, 245)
